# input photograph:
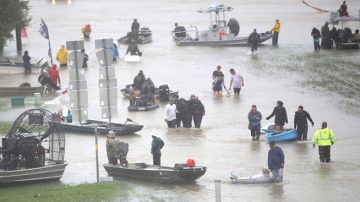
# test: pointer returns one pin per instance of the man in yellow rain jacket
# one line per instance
(324, 137)
(61, 56)
(275, 30)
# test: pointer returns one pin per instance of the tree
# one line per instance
(13, 13)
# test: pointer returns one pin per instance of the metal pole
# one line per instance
(77, 80)
(218, 190)
(97, 154)
(107, 83)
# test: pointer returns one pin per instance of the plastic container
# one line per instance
(17, 102)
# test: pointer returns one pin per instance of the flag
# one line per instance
(49, 54)
(23, 33)
(44, 30)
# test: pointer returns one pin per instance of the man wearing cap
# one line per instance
(197, 110)
(300, 122)
(254, 117)
(135, 26)
(170, 114)
(276, 160)
(111, 149)
(324, 137)
(156, 145)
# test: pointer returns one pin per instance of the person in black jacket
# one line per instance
(280, 115)
(197, 110)
(26, 61)
(300, 122)
(254, 40)
(86, 58)
(156, 145)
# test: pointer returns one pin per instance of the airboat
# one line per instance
(33, 150)
(217, 34)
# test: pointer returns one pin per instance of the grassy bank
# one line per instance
(5, 127)
(59, 192)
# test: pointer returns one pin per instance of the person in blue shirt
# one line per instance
(276, 161)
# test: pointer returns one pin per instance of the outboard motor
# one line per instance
(164, 93)
(234, 26)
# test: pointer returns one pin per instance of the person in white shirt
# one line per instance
(237, 80)
(170, 114)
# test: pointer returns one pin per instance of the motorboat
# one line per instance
(23, 91)
(103, 127)
(145, 36)
(163, 93)
(33, 149)
(147, 107)
(162, 174)
(217, 34)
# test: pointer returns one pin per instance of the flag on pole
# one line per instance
(44, 30)
(23, 33)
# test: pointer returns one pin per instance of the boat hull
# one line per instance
(160, 174)
(281, 136)
(172, 94)
(238, 41)
(140, 40)
(143, 108)
(20, 91)
(103, 127)
(46, 173)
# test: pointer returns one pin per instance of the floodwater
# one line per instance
(325, 83)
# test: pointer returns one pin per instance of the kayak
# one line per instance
(256, 179)
(132, 58)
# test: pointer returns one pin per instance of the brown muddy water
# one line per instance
(327, 84)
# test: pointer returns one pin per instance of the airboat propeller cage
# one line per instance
(217, 19)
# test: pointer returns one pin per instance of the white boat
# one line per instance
(132, 58)
(217, 34)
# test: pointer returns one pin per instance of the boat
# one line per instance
(344, 44)
(145, 36)
(154, 173)
(161, 90)
(132, 58)
(103, 127)
(281, 136)
(33, 150)
(24, 91)
(148, 107)
(217, 33)
(256, 179)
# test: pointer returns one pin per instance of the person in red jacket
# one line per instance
(54, 75)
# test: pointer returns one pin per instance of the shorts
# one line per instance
(237, 90)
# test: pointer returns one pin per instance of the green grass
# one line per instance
(5, 127)
(65, 193)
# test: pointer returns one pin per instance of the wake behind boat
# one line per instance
(162, 174)
(217, 33)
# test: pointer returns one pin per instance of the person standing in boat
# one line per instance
(156, 145)
(197, 110)
(254, 117)
(122, 149)
(276, 160)
(26, 61)
(300, 122)
(254, 40)
(139, 80)
(135, 27)
(132, 95)
(237, 80)
(280, 115)
(276, 31)
(315, 33)
(111, 149)
(180, 31)
(325, 138)
(170, 114)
